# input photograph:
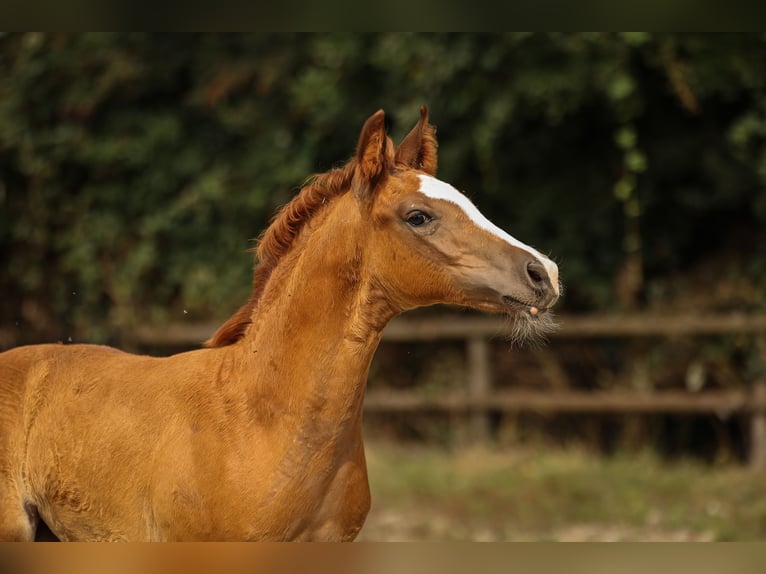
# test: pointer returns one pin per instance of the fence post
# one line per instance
(758, 426)
(479, 386)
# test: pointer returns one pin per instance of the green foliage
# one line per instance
(134, 167)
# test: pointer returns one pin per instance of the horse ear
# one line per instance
(374, 155)
(418, 148)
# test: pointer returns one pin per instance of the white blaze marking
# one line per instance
(437, 189)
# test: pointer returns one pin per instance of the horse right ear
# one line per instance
(418, 148)
(374, 155)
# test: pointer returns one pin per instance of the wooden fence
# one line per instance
(479, 398)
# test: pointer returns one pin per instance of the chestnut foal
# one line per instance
(259, 435)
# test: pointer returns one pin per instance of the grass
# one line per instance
(540, 494)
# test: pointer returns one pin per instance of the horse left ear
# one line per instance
(418, 148)
(374, 155)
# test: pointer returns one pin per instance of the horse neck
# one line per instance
(318, 322)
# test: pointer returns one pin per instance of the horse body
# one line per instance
(96, 463)
(259, 436)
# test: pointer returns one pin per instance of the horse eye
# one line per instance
(418, 218)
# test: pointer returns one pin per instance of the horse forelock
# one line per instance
(278, 239)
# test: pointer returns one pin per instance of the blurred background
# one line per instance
(135, 167)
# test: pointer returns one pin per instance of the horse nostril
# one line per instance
(536, 273)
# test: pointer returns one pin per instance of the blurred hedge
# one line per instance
(134, 167)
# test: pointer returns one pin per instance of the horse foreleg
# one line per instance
(18, 521)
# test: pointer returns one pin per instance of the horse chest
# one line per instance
(304, 497)
(307, 507)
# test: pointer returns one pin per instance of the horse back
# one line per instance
(30, 373)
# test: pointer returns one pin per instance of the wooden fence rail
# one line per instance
(466, 327)
(723, 403)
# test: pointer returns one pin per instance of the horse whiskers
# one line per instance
(530, 330)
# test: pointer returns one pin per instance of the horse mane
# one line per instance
(278, 239)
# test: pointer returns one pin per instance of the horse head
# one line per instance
(432, 245)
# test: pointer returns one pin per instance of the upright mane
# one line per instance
(278, 239)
